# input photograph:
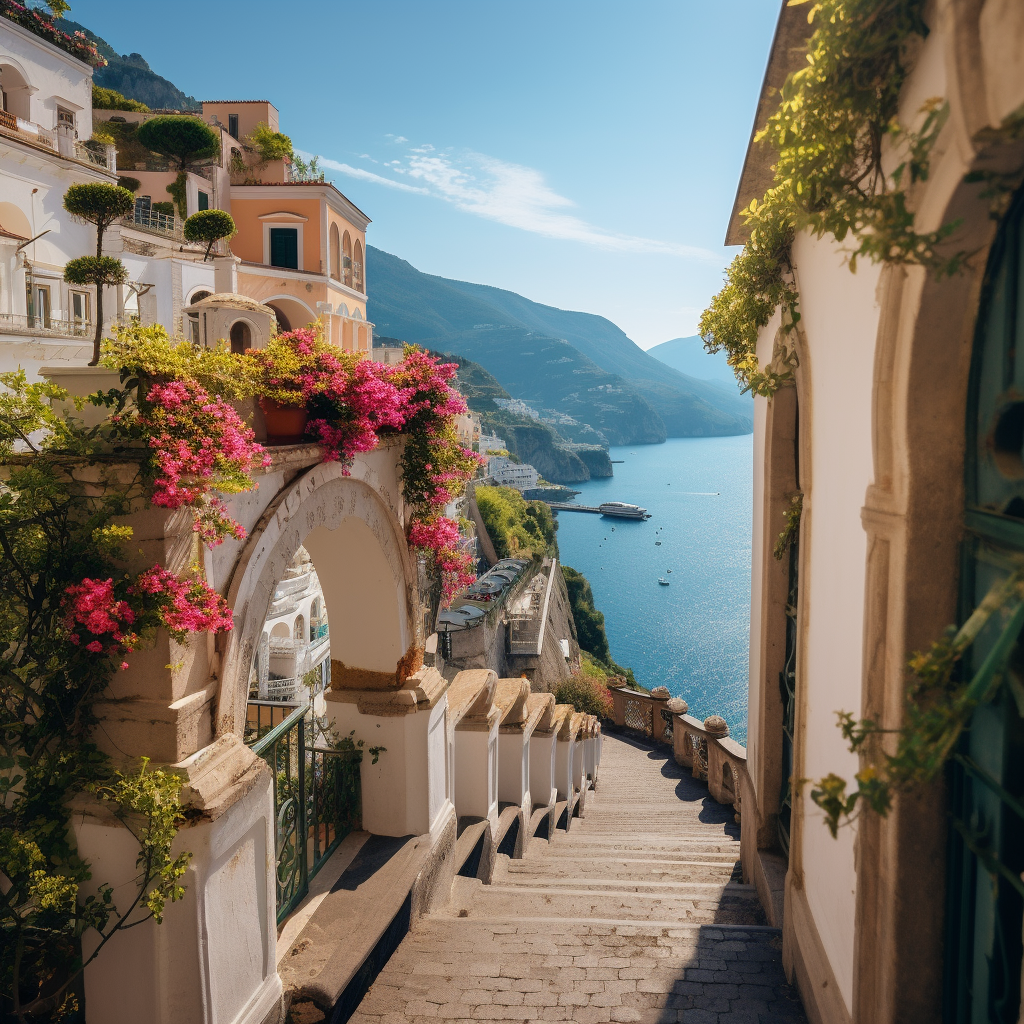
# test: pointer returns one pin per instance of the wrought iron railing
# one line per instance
(639, 716)
(316, 793)
(159, 223)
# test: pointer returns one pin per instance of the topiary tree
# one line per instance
(209, 226)
(180, 137)
(99, 204)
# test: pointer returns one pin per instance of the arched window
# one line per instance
(346, 259)
(985, 908)
(335, 253)
(14, 92)
(198, 297)
(241, 337)
(357, 268)
(299, 629)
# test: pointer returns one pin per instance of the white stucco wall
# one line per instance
(840, 320)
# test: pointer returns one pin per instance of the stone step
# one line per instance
(589, 847)
(585, 881)
(700, 904)
(611, 870)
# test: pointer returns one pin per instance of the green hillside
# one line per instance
(528, 348)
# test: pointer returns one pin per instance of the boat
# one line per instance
(623, 510)
(663, 581)
(657, 543)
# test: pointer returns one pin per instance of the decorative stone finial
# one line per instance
(714, 725)
(660, 693)
(678, 705)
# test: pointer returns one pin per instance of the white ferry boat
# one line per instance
(623, 510)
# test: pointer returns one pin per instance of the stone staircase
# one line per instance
(635, 913)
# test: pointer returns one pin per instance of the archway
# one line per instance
(290, 312)
(15, 91)
(346, 259)
(241, 337)
(358, 275)
(335, 253)
(356, 543)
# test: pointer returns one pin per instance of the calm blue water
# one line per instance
(693, 635)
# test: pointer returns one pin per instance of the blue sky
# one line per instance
(581, 152)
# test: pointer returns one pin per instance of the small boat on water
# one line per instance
(623, 510)
(657, 543)
(663, 581)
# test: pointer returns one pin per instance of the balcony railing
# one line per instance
(17, 323)
(27, 131)
(165, 224)
(316, 793)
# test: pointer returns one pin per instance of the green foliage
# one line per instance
(518, 528)
(209, 226)
(303, 170)
(586, 694)
(130, 152)
(178, 191)
(97, 270)
(268, 144)
(589, 621)
(99, 203)
(792, 528)
(184, 139)
(111, 99)
(55, 532)
(130, 183)
(836, 120)
(164, 207)
(937, 709)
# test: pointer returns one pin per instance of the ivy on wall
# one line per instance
(835, 126)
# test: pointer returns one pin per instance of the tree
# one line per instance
(270, 145)
(99, 204)
(209, 226)
(182, 138)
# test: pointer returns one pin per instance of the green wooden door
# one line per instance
(986, 856)
(284, 248)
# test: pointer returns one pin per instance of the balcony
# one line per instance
(61, 141)
(165, 224)
(45, 326)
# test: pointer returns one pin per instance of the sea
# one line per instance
(693, 635)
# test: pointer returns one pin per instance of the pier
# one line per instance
(565, 506)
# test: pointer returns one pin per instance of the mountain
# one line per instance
(688, 355)
(577, 364)
(555, 458)
(131, 75)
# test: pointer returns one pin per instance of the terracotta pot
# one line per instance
(286, 424)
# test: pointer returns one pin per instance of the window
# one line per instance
(284, 248)
(65, 117)
(204, 201)
(233, 126)
(38, 301)
(80, 307)
(335, 253)
(241, 337)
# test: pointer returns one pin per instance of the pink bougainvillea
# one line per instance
(200, 445)
(97, 619)
(184, 605)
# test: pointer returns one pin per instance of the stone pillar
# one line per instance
(225, 274)
(408, 791)
(543, 790)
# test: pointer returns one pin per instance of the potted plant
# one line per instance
(279, 378)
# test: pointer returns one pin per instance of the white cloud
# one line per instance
(377, 179)
(509, 194)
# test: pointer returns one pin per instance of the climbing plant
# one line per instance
(834, 128)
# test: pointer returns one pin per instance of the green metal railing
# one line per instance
(316, 793)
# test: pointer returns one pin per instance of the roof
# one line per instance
(789, 49)
(4, 233)
(299, 184)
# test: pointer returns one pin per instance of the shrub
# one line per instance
(181, 137)
(270, 145)
(517, 527)
(111, 99)
(163, 207)
(209, 226)
(585, 694)
(178, 191)
(99, 204)
(130, 183)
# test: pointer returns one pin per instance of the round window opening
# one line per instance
(1006, 442)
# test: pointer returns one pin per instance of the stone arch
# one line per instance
(241, 335)
(355, 540)
(291, 313)
(346, 259)
(358, 270)
(299, 628)
(335, 254)
(913, 516)
(16, 88)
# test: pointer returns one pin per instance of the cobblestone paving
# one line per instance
(633, 915)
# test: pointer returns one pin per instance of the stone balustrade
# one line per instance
(703, 747)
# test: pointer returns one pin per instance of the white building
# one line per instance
(491, 443)
(506, 473)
